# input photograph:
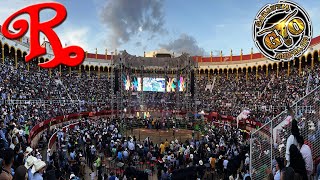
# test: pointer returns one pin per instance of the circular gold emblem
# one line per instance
(282, 31)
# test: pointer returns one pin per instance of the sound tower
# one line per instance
(192, 83)
(116, 81)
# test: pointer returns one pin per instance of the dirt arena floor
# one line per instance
(161, 135)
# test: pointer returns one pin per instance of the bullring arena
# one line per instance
(204, 81)
(160, 115)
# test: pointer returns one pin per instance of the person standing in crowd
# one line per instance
(287, 173)
(112, 176)
(279, 167)
(213, 161)
(201, 169)
(297, 163)
(292, 140)
(28, 164)
(82, 164)
(307, 156)
(92, 175)
(8, 158)
(165, 174)
(98, 165)
(92, 156)
(49, 160)
(247, 161)
(74, 177)
(38, 170)
(162, 148)
(21, 173)
(246, 173)
(225, 167)
(19, 156)
(3, 140)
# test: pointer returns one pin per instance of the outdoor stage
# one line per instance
(161, 135)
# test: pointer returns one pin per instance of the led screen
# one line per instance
(154, 84)
(171, 84)
(136, 84)
(132, 84)
(127, 82)
(182, 84)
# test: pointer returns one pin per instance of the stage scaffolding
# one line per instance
(126, 65)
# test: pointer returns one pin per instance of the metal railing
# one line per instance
(269, 141)
(57, 101)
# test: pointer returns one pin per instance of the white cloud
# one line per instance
(72, 35)
(10, 7)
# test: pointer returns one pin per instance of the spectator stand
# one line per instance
(268, 142)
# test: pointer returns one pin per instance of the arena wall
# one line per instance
(207, 65)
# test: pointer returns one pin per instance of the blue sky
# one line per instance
(177, 25)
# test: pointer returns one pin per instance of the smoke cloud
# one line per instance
(127, 18)
(184, 43)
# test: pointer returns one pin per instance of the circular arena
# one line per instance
(159, 116)
(145, 117)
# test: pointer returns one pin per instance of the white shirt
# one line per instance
(169, 158)
(125, 153)
(92, 175)
(12, 146)
(48, 157)
(291, 140)
(30, 174)
(307, 156)
(37, 176)
(247, 161)
(225, 164)
(277, 175)
(131, 146)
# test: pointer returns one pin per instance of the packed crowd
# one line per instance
(35, 96)
(18, 160)
(109, 154)
(265, 96)
(28, 97)
(293, 159)
(303, 132)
